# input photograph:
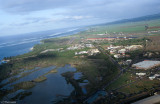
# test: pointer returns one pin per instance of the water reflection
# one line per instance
(54, 88)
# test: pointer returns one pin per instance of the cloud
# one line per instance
(22, 6)
(36, 19)
(95, 8)
(77, 17)
(61, 13)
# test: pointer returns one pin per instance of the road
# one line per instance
(115, 63)
(116, 77)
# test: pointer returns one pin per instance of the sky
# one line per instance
(24, 16)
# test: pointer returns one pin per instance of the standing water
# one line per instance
(49, 91)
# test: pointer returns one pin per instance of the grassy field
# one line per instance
(124, 79)
(142, 85)
(133, 84)
(131, 27)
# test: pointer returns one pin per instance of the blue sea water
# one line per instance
(20, 44)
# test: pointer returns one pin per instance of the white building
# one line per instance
(140, 74)
(112, 51)
(76, 46)
(134, 47)
(154, 76)
(114, 47)
(117, 55)
(122, 51)
(128, 61)
(147, 64)
(89, 45)
(93, 51)
(81, 52)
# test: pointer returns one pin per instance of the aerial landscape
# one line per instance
(67, 52)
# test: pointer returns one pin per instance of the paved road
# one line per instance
(110, 58)
(114, 62)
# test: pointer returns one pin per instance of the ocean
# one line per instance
(19, 44)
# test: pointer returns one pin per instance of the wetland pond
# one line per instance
(53, 89)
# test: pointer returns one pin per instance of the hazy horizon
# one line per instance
(27, 16)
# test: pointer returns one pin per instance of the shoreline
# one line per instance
(63, 34)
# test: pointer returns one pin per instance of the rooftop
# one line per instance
(147, 64)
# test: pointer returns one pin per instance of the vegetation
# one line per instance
(153, 44)
(51, 71)
(139, 86)
(21, 95)
(122, 80)
(140, 41)
(24, 85)
(133, 28)
(40, 79)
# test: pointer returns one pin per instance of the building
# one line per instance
(122, 51)
(81, 52)
(117, 56)
(147, 64)
(140, 74)
(89, 45)
(154, 76)
(95, 39)
(112, 51)
(113, 47)
(134, 47)
(76, 46)
(93, 51)
(128, 61)
(108, 38)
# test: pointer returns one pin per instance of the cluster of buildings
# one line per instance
(152, 77)
(120, 51)
(146, 65)
(157, 76)
(81, 52)
(80, 46)
(125, 62)
(97, 39)
(89, 52)
(52, 50)
(109, 38)
(92, 51)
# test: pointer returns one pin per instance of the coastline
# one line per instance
(16, 49)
